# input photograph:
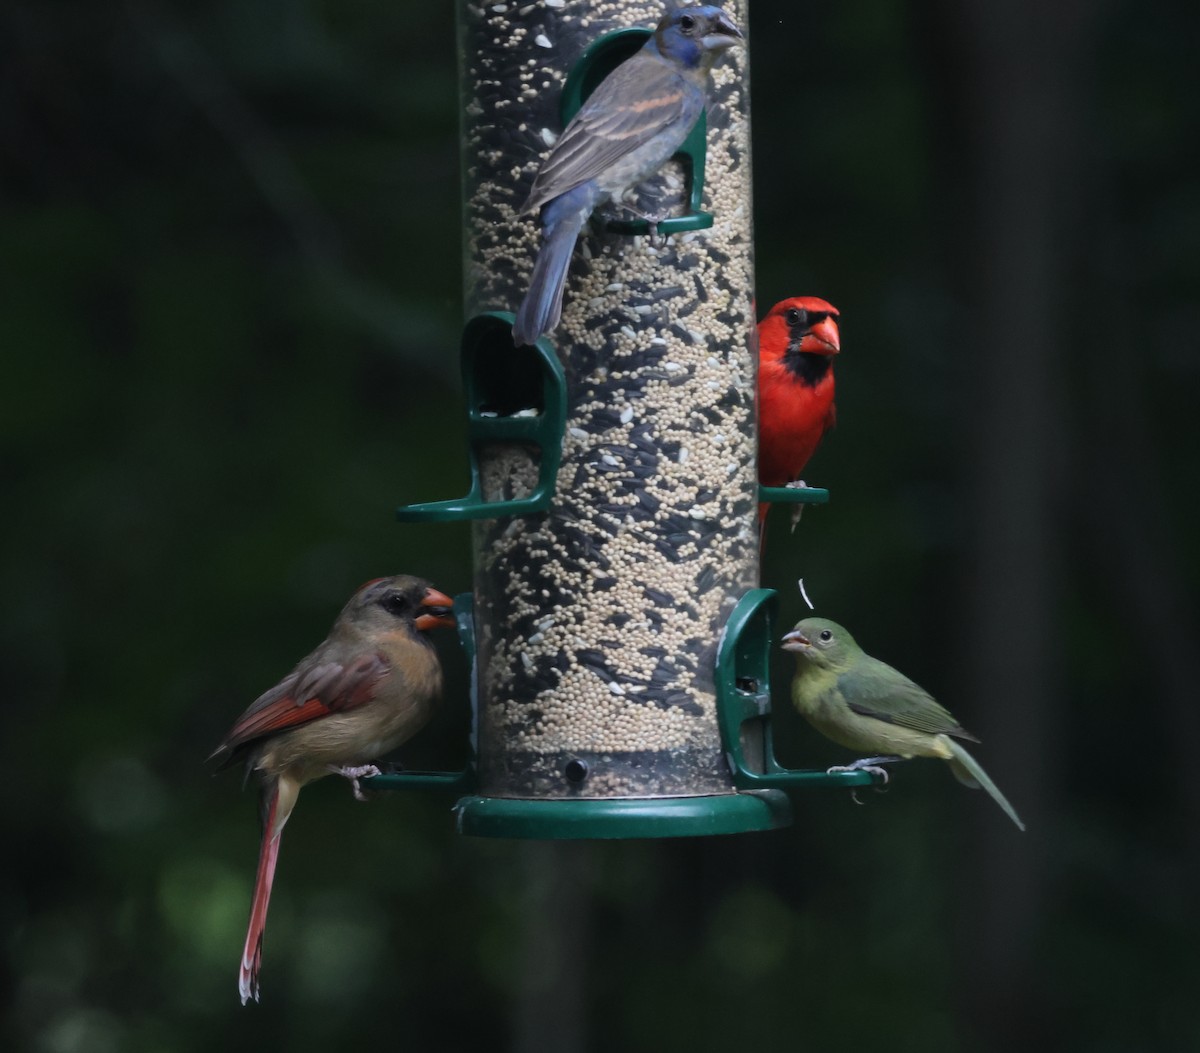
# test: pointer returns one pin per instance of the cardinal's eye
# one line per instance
(796, 317)
(395, 603)
(687, 23)
(826, 636)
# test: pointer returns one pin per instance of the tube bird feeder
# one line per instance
(615, 528)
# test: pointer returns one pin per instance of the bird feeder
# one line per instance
(618, 639)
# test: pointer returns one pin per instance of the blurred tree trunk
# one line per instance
(550, 1008)
(1024, 66)
(1135, 548)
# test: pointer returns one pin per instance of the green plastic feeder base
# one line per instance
(557, 819)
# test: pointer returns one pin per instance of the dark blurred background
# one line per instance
(229, 309)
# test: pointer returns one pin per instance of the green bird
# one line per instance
(865, 704)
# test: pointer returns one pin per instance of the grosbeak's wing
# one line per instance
(641, 98)
(311, 691)
(873, 689)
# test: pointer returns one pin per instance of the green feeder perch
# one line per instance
(793, 495)
(515, 409)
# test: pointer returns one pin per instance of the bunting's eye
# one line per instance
(826, 636)
(687, 23)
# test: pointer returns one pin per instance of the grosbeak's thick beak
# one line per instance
(822, 338)
(723, 33)
(439, 611)
(796, 641)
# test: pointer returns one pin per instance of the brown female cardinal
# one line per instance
(796, 343)
(368, 688)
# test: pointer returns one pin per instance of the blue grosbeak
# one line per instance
(633, 122)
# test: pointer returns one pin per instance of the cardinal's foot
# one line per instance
(354, 773)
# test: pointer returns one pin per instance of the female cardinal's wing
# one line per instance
(309, 692)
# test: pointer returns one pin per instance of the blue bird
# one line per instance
(637, 117)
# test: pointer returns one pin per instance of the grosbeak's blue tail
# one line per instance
(562, 221)
(540, 310)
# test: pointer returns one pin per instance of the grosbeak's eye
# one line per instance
(826, 636)
(687, 23)
(395, 603)
(795, 316)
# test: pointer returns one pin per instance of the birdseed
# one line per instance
(597, 622)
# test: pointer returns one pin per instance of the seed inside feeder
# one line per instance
(650, 538)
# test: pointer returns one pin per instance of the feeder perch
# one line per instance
(598, 61)
(793, 495)
(744, 703)
(515, 404)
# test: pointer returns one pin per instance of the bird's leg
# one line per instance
(871, 765)
(866, 763)
(797, 510)
(354, 773)
(653, 219)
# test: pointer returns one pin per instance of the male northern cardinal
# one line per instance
(865, 704)
(637, 117)
(796, 343)
(367, 688)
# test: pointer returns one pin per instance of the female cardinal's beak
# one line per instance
(822, 338)
(439, 611)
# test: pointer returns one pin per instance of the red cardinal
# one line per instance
(796, 344)
(369, 687)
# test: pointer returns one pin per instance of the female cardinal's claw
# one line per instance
(354, 773)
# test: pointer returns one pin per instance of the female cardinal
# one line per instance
(369, 687)
(796, 344)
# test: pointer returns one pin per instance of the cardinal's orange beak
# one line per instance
(439, 611)
(822, 338)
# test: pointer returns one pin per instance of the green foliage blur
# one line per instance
(229, 308)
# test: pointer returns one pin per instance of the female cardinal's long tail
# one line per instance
(278, 799)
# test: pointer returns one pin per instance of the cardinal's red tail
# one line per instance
(268, 853)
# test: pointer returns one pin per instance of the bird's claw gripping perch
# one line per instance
(797, 510)
(651, 219)
(871, 765)
(870, 769)
(354, 773)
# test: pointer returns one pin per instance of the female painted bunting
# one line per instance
(370, 686)
(637, 117)
(796, 343)
(865, 704)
